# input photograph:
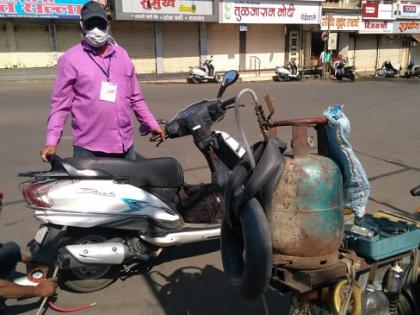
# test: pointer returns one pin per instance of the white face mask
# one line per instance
(96, 38)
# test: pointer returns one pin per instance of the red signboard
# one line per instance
(370, 10)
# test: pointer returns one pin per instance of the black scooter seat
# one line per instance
(159, 172)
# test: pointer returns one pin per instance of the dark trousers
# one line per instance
(9, 257)
(79, 152)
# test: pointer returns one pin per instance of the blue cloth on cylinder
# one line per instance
(355, 182)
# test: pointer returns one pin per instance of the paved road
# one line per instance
(189, 280)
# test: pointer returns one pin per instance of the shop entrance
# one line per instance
(317, 46)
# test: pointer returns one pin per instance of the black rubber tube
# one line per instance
(247, 252)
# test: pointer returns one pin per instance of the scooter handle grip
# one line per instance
(228, 102)
(415, 191)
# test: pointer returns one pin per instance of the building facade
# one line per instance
(168, 36)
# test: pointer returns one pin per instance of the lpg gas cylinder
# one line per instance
(306, 219)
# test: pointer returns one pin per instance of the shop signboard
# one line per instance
(376, 27)
(407, 11)
(166, 10)
(407, 27)
(48, 9)
(269, 12)
(341, 22)
(377, 11)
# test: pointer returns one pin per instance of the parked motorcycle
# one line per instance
(342, 71)
(101, 215)
(412, 71)
(204, 73)
(388, 70)
(289, 72)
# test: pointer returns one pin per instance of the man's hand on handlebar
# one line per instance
(47, 150)
(159, 136)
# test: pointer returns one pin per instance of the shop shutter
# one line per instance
(67, 35)
(5, 60)
(390, 48)
(223, 45)
(365, 57)
(139, 41)
(415, 54)
(266, 42)
(180, 43)
(33, 45)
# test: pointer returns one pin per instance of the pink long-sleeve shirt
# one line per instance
(97, 125)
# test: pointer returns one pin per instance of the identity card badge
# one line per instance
(108, 92)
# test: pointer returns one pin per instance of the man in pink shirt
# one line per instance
(96, 82)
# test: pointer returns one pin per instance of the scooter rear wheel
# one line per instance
(90, 278)
(280, 78)
(195, 79)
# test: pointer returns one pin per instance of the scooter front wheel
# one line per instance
(380, 73)
(89, 278)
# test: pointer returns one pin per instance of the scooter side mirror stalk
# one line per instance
(229, 78)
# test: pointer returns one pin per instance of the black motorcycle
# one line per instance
(412, 71)
(342, 71)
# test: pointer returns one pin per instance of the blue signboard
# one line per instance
(49, 9)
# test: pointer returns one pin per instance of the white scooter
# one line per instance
(289, 72)
(388, 70)
(103, 215)
(204, 73)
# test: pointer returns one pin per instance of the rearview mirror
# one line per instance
(229, 78)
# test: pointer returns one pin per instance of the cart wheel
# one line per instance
(355, 305)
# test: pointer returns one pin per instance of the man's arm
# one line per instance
(10, 290)
(139, 106)
(61, 102)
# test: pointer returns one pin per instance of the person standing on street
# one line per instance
(96, 82)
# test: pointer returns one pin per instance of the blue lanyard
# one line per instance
(106, 73)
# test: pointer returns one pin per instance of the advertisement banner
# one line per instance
(376, 27)
(370, 10)
(166, 10)
(48, 9)
(407, 11)
(342, 22)
(407, 27)
(332, 41)
(377, 11)
(256, 12)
